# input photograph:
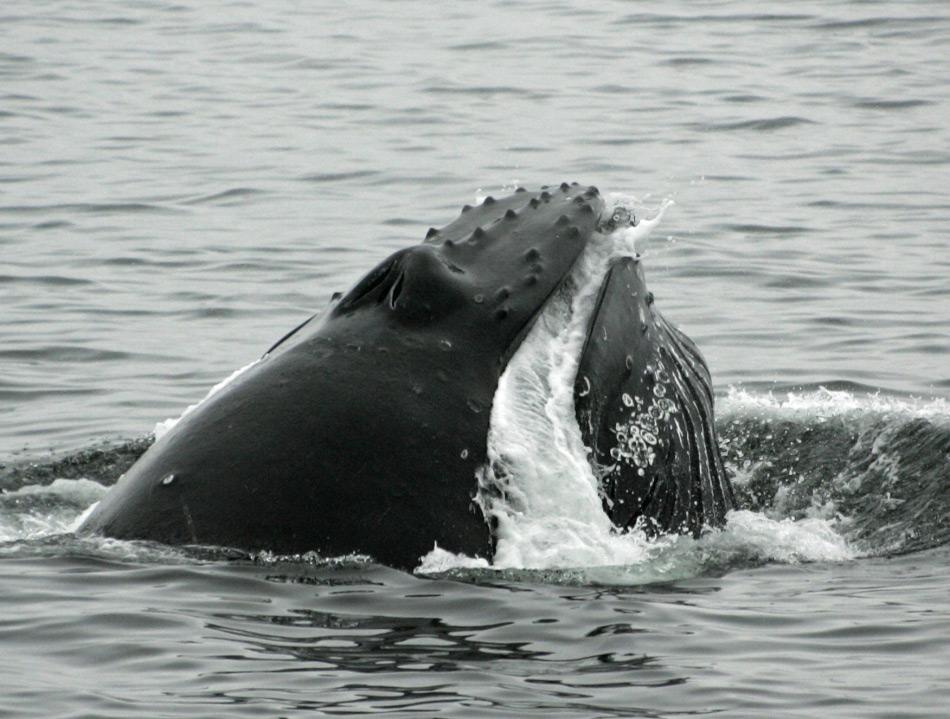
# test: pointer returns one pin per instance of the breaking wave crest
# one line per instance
(875, 466)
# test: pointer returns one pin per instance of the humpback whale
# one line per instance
(364, 430)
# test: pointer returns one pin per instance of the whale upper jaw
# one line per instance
(496, 266)
(363, 431)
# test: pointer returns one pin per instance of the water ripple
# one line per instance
(181, 184)
(759, 125)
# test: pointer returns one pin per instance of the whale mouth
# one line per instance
(613, 222)
(611, 238)
(539, 490)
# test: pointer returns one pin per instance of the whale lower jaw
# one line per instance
(602, 421)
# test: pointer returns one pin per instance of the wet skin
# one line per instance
(362, 431)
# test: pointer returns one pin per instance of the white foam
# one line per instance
(539, 487)
(441, 560)
(53, 508)
(780, 540)
(823, 403)
(162, 428)
(746, 537)
(74, 490)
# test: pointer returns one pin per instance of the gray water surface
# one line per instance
(181, 183)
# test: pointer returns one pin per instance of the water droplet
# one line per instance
(627, 399)
(464, 454)
(168, 479)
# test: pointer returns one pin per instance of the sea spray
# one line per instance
(36, 511)
(540, 492)
(538, 489)
(873, 466)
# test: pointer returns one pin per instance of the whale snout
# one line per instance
(492, 269)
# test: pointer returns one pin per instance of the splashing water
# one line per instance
(164, 427)
(873, 464)
(539, 489)
(36, 511)
(823, 403)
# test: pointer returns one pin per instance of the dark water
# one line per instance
(181, 183)
(88, 636)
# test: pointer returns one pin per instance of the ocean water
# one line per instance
(181, 183)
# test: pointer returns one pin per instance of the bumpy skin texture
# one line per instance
(362, 431)
(644, 402)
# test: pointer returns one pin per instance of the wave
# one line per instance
(876, 465)
(225, 197)
(94, 208)
(765, 124)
